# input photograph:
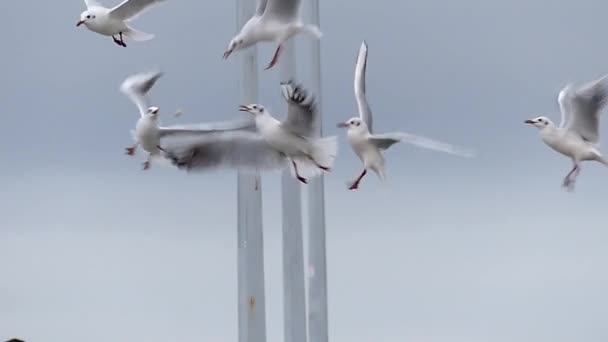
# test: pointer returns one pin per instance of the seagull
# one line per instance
(272, 145)
(273, 21)
(113, 22)
(368, 146)
(292, 136)
(577, 136)
(147, 131)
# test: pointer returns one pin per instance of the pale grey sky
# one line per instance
(447, 250)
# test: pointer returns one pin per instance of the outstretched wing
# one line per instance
(209, 127)
(301, 109)
(260, 7)
(137, 86)
(130, 9)
(584, 106)
(92, 3)
(365, 112)
(282, 10)
(384, 141)
(230, 149)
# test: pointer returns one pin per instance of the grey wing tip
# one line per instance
(296, 93)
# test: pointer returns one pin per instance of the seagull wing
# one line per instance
(229, 149)
(137, 86)
(365, 112)
(384, 141)
(301, 109)
(584, 106)
(209, 127)
(282, 10)
(260, 7)
(130, 9)
(92, 3)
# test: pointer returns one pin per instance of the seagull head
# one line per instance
(152, 112)
(86, 17)
(354, 125)
(253, 109)
(540, 122)
(237, 43)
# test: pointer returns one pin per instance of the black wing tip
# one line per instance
(300, 95)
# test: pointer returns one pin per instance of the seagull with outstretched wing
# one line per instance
(369, 146)
(578, 134)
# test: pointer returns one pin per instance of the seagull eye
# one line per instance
(88, 17)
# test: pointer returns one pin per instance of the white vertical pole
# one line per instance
(294, 288)
(251, 301)
(317, 260)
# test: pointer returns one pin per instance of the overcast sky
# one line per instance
(446, 250)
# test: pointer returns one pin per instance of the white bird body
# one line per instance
(113, 21)
(147, 134)
(281, 139)
(568, 144)
(578, 133)
(368, 153)
(368, 146)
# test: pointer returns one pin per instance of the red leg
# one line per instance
(355, 184)
(275, 57)
(324, 168)
(131, 150)
(300, 178)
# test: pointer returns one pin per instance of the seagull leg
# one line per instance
(122, 41)
(324, 168)
(131, 150)
(275, 57)
(355, 185)
(116, 41)
(300, 178)
(146, 164)
(570, 178)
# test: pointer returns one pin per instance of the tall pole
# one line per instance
(294, 287)
(251, 300)
(317, 259)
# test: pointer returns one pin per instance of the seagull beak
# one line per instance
(531, 122)
(80, 23)
(227, 53)
(245, 109)
(342, 125)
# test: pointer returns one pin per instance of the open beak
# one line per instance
(531, 122)
(227, 53)
(342, 125)
(245, 109)
(80, 23)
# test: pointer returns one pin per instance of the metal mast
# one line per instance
(317, 259)
(251, 301)
(294, 287)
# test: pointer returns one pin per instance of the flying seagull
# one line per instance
(578, 133)
(148, 132)
(273, 21)
(114, 21)
(272, 145)
(369, 146)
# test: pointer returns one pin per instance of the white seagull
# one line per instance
(369, 146)
(273, 21)
(148, 133)
(578, 133)
(273, 145)
(114, 21)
